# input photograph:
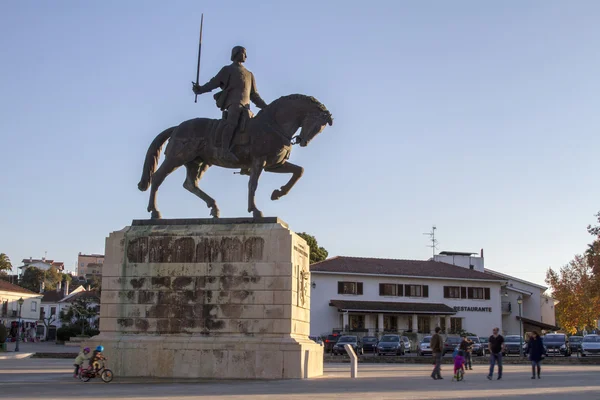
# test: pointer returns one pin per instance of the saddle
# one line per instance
(240, 136)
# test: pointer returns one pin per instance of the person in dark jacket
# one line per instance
(535, 348)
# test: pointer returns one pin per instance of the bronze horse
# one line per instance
(271, 135)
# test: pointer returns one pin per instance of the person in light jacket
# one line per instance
(84, 355)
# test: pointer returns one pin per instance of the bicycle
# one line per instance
(460, 375)
(85, 374)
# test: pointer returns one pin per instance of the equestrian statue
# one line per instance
(239, 140)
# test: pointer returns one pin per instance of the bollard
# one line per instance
(353, 361)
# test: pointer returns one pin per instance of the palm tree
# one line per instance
(5, 264)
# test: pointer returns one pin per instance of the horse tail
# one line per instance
(152, 158)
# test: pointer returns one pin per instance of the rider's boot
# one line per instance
(225, 153)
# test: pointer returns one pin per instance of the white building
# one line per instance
(9, 311)
(42, 264)
(453, 291)
(537, 309)
(374, 296)
(53, 302)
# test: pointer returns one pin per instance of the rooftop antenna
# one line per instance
(433, 240)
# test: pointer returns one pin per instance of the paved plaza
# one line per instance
(34, 379)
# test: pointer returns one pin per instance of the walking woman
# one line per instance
(536, 353)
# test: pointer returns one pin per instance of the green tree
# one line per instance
(82, 313)
(5, 264)
(33, 278)
(52, 278)
(316, 253)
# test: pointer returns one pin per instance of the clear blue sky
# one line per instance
(479, 117)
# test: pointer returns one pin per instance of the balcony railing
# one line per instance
(506, 307)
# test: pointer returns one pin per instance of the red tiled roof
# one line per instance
(52, 296)
(385, 266)
(9, 287)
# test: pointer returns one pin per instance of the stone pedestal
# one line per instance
(222, 299)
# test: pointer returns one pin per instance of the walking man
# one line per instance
(496, 347)
(437, 348)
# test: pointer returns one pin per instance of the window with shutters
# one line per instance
(417, 291)
(355, 288)
(357, 322)
(476, 293)
(390, 323)
(452, 292)
(455, 325)
(424, 324)
(390, 289)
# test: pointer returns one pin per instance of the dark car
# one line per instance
(330, 341)
(450, 344)
(369, 344)
(390, 344)
(575, 342)
(512, 344)
(557, 344)
(353, 341)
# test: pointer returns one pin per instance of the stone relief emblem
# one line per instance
(303, 278)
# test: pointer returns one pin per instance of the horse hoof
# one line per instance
(155, 215)
(276, 195)
(257, 214)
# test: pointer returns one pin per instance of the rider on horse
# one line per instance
(238, 88)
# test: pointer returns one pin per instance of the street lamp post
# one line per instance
(20, 301)
(520, 301)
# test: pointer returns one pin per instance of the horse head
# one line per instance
(305, 112)
(313, 122)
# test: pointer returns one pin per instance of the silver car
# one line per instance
(424, 347)
(590, 346)
(407, 344)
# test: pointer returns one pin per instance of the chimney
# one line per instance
(89, 287)
(66, 288)
(59, 286)
(481, 253)
(42, 287)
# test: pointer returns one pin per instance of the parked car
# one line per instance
(557, 344)
(316, 339)
(484, 340)
(423, 348)
(369, 344)
(575, 342)
(512, 344)
(450, 344)
(330, 341)
(407, 344)
(590, 346)
(390, 344)
(353, 341)
(478, 349)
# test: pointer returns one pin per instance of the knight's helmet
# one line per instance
(235, 51)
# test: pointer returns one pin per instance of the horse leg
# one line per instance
(168, 166)
(286, 168)
(255, 171)
(195, 170)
